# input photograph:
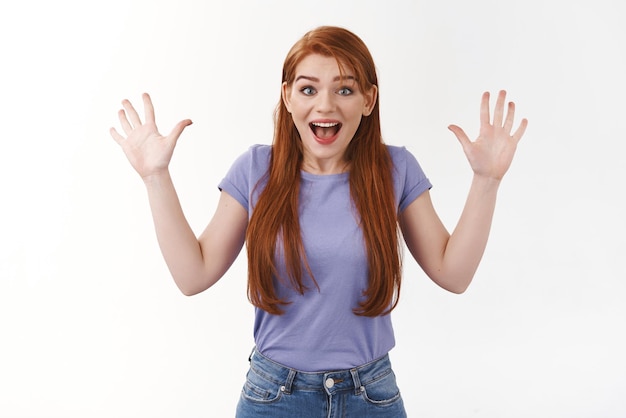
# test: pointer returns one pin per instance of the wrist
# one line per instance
(486, 182)
(156, 177)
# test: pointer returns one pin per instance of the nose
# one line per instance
(325, 102)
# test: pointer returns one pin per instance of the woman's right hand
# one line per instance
(148, 151)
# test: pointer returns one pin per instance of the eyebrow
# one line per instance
(316, 80)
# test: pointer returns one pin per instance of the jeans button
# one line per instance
(329, 383)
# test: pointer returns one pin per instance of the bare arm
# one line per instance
(195, 264)
(451, 260)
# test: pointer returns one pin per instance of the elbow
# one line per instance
(192, 285)
(455, 284)
(189, 289)
(188, 292)
(458, 290)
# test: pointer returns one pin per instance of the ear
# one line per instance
(285, 94)
(370, 100)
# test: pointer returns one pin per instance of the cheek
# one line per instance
(301, 126)
(356, 117)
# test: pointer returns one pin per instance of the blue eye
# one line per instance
(308, 91)
(345, 91)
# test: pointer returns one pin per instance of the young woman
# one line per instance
(320, 211)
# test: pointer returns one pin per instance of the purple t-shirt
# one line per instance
(319, 331)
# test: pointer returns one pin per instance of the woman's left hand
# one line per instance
(490, 155)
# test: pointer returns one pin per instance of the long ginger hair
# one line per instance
(274, 220)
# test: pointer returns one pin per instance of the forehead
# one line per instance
(321, 67)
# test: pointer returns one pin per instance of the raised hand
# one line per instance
(490, 155)
(148, 151)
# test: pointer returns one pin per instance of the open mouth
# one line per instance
(325, 130)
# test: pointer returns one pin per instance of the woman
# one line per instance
(320, 212)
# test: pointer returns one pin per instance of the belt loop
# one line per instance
(251, 354)
(289, 381)
(356, 380)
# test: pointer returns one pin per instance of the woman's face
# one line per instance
(327, 110)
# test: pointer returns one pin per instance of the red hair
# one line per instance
(371, 189)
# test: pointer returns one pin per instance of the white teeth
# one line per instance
(325, 124)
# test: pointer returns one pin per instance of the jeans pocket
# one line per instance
(383, 390)
(260, 389)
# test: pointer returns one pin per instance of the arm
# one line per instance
(451, 260)
(195, 264)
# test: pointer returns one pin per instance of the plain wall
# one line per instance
(91, 323)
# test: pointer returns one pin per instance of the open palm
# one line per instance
(148, 151)
(490, 155)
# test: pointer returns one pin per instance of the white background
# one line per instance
(91, 324)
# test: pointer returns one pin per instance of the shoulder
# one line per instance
(402, 158)
(257, 153)
(262, 151)
(397, 153)
(254, 160)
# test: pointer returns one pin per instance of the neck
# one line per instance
(325, 167)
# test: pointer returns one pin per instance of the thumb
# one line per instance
(178, 129)
(460, 135)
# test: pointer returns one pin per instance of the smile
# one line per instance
(325, 131)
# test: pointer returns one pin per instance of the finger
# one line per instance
(510, 114)
(520, 131)
(460, 135)
(178, 129)
(132, 113)
(116, 136)
(148, 108)
(499, 110)
(484, 109)
(126, 126)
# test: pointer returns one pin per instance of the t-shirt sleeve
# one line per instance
(243, 175)
(412, 179)
(235, 182)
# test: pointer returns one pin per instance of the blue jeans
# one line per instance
(273, 390)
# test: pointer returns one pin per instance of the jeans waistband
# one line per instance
(329, 381)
